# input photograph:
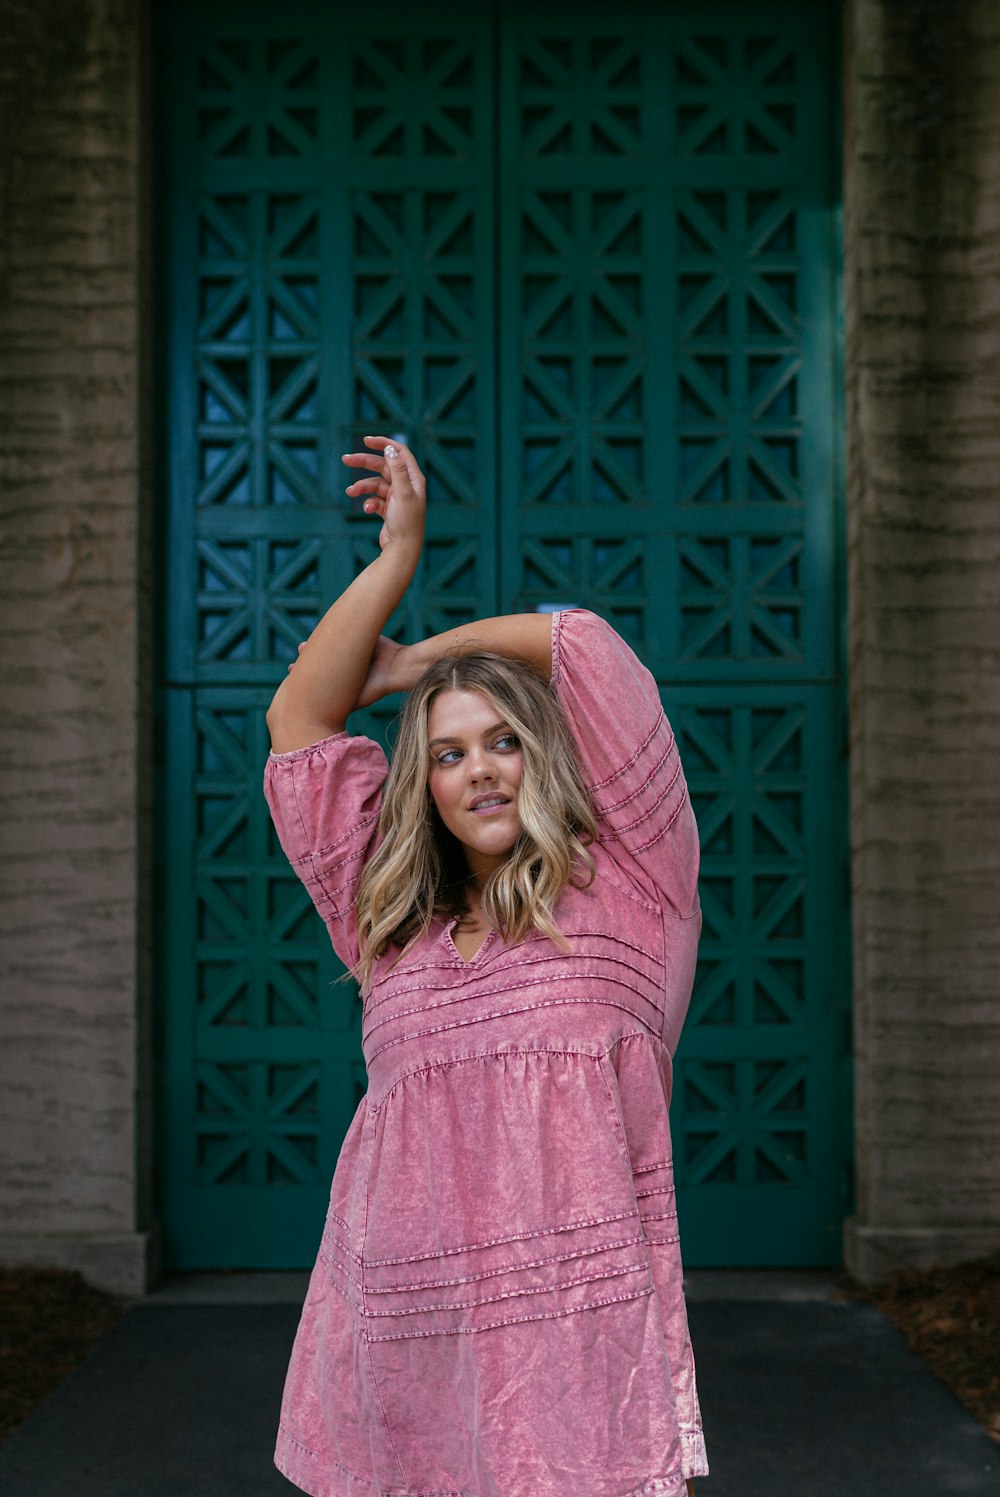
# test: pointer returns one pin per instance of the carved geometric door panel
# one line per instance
(584, 260)
(668, 358)
(330, 274)
(760, 1085)
(668, 328)
(271, 1050)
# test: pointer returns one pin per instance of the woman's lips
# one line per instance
(489, 808)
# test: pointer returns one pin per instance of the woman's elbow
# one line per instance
(273, 713)
(278, 716)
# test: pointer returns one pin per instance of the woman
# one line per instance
(497, 1307)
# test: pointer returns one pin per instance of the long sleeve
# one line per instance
(628, 754)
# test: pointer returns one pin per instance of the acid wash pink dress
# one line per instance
(497, 1307)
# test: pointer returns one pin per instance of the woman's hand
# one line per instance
(395, 490)
(382, 679)
(318, 695)
(384, 675)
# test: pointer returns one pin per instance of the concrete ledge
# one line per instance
(761, 1285)
(232, 1287)
(871, 1253)
(124, 1263)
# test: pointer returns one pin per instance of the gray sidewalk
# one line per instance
(802, 1396)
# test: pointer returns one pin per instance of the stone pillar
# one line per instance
(922, 291)
(74, 1147)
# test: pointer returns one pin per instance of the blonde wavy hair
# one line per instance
(420, 869)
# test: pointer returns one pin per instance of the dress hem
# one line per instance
(294, 1462)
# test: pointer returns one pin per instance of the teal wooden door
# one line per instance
(669, 418)
(588, 270)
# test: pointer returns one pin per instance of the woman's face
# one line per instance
(475, 774)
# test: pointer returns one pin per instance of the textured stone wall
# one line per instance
(922, 286)
(72, 942)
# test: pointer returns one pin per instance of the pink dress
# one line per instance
(497, 1307)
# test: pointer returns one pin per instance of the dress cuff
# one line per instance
(695, 1455)
(308, 748)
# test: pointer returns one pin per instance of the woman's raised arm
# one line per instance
(315, 699)
(524, 636)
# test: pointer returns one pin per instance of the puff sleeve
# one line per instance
(324, 801)
(629, 756)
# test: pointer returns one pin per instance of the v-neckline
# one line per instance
(474, 958)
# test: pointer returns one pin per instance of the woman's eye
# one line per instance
(449, 756)
(506, 741)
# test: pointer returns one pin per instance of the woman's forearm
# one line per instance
(316, 699)
(318, 696)
(346, 662)
(525, 636)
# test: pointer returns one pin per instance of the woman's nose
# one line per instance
(479, 765)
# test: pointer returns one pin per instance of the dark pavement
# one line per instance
(804, 1397)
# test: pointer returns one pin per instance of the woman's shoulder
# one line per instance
(325, 793)
(352, 763)
(582, 632)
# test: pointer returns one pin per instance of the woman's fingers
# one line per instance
(368, 486)
(371, 460)
(393, 488)
(403, 467)
(390, 456)
(377, 459)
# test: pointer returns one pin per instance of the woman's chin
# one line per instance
(491, 850)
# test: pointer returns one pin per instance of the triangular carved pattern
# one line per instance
(231, 995)
(257, 598)
(741, 597)
(607, 574)
(415, 349)
(740, 336)
(580, 94)
(745, 1121)
(735, 96)
(258, 1122)
(258, 939)
(416, 98)
(583, 404)
(258, 384)
(238, 119)
(746, 775)
(450, 583)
